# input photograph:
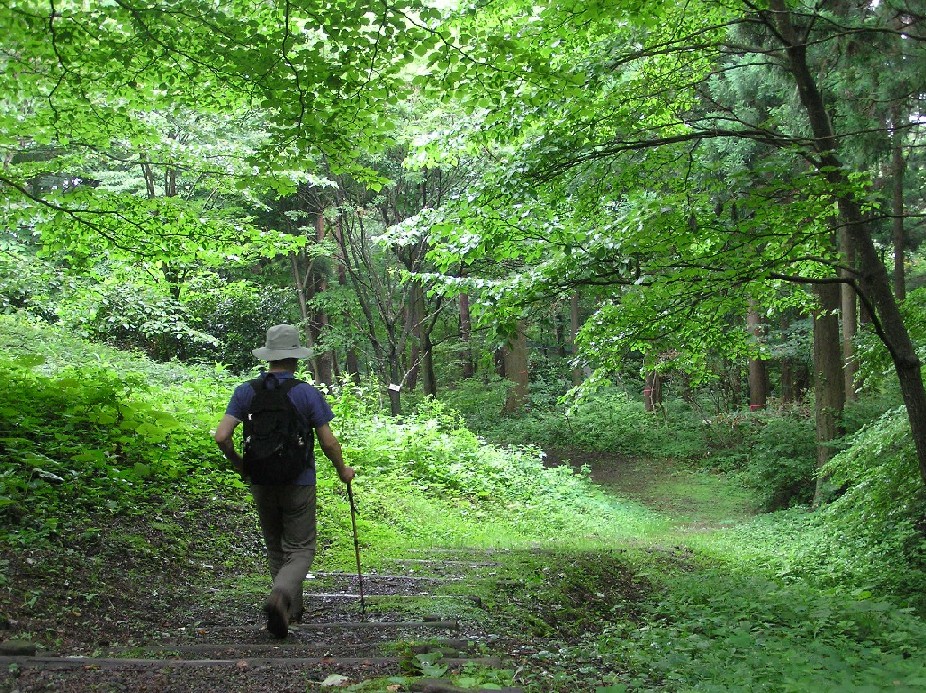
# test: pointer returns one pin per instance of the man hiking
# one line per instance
(280, 414)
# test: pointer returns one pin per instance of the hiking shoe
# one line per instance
(277, 610)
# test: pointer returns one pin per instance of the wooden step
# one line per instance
(142, 663)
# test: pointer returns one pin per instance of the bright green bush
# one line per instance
(608, 420)
(875, 531)
(137, 316)
(85, 439)
(28, 284)
(871, 537)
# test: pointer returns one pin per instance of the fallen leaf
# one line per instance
(335, 680)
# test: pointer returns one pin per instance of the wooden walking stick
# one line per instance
(353, 522)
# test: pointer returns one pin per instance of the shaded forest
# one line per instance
(665, 252)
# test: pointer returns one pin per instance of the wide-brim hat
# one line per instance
(282, 343)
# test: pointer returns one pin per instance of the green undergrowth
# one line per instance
(110, 473)
(711, 630)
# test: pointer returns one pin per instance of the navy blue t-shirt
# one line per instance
(310, 406)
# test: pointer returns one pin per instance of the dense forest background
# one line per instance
(682, 232)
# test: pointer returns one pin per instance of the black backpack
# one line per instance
(275, 443)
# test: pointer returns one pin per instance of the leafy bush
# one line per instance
(479, 402)
(85, 439)
(27, 283)
(237, 316)
(138, 316)
(607, 420)
(713, 631)
(871, 537)
(781, 468)
(876, 530)
(429, 462)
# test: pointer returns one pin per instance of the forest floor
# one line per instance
(103, 617)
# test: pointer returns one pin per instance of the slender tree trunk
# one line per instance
(148, 174)
(352, 360)
(829, 392)
(428, 379)
(466, 337)
(300, 287)
(874, 284)
(414, 317)
(758, 371)
(577, 376)
(516, 369)
(898, 170)
(849, 312)
(652, 383)
(394, 388)
(499, 359)
(323, 373)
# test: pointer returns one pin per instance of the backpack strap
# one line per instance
(284, 384)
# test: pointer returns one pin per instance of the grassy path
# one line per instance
(689, 499)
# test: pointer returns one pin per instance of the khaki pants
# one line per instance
(287, 520)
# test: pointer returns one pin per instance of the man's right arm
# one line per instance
(223, 438)
(332, 449)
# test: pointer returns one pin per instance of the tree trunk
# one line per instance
(652, 383)
(898, 169)
(352, 360)
(394, 388)
(849, 312)
(323, 372)
(874, 284)
(466, 337)
(829, 392)
(428, 379)
(758, 371)
(515, 357)
(577, 377)
(414, 317)
(300, 287)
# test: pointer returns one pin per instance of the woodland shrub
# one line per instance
(479, 402)
(429, 458)
(237, 315)
(869, 539)
(875, 531)
(27, 284)
(781, 465)
(88, 438)
(138, 316)
(713, 630)
(608, 421)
